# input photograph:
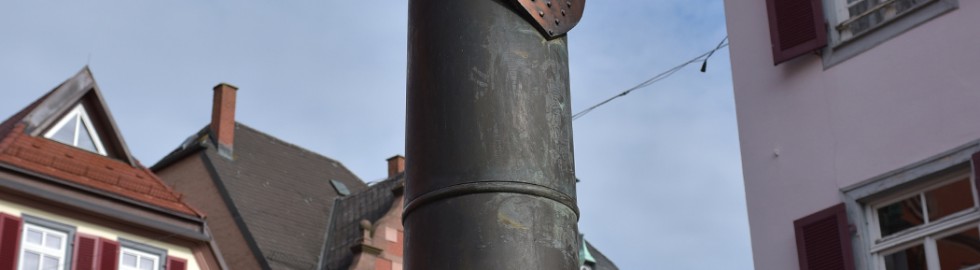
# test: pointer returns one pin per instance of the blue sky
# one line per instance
(661, 178)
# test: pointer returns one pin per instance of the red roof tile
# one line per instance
(78, 166)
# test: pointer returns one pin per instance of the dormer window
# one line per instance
(76, 129)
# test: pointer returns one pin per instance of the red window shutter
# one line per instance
(796, 27)
(108, 254)
(823, 240)
(9, 241)
(84, 253)
(176, 263)
(976, 169)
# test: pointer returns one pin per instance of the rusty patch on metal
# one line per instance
(553, 17)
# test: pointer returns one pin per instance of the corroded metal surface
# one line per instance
(553, 17)
(490, 171)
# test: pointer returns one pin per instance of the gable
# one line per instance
(76, 129)
(78, 97)
(68, 137)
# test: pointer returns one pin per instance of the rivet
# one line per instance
(551, 32)
(563, 12)
(568, 3)
(556, 21)
(541, 13)
(549, 3)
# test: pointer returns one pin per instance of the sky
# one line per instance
(661, 177)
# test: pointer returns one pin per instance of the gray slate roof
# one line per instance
(281, 192)
(290, 210)
(601, 262)
(370, 204)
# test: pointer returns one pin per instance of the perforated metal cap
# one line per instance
(553, 17)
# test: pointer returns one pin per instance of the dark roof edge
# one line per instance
(99, 192)
(187, 148)
(601, 258)
(114, 128)
(18, 117)
(327, 234)
(333, 213)
(136, 219)
(177, 155)
(236, 215)
(395, 177)
(75, 90)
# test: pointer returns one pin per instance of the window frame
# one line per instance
(142, 249)
(80, 115)
(66, 230)
(863, 199)
(839, 50)
(871, 209)
(925, 234)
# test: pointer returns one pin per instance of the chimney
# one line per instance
(223, 118)
(396, 165)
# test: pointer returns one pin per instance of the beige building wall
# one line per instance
(101, 231)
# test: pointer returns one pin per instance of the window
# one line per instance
(137, 260)
(138, 256)
(860, 16)
(342, 189)
(924, 216)
(76, 129)
(933, 227)
(391, 234)
(858, 25)
(44, 245)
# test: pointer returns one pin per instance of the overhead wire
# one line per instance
(703, 57)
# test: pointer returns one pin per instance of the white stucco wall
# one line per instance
(909, 98)
(100, 231)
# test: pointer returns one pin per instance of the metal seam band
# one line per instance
(490, 187)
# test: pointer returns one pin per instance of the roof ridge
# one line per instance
(397, 177)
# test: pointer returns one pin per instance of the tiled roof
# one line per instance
(282, 192)
(9, 124)
(345, 231)
(81, 168)
(601, 262)
(371, 204)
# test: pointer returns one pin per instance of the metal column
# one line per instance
(490, 169)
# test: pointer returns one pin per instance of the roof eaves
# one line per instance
(86, 205)
(191, 145)
(102, 193)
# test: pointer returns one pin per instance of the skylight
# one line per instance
(340, 187)
(75, 129)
